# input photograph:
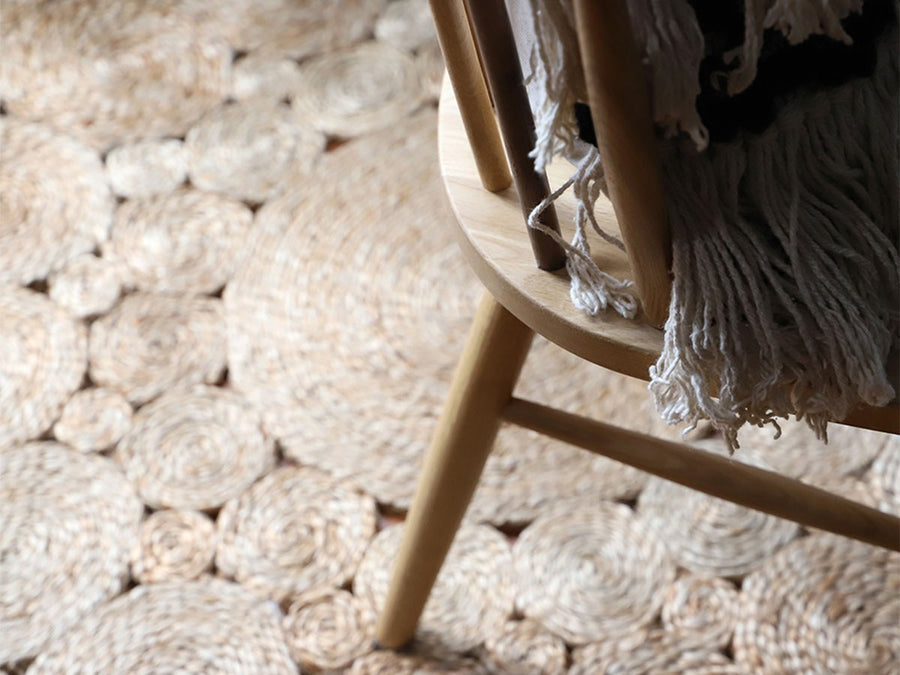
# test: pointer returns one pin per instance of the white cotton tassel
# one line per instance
(672, 45)
(786, 264)
(592, 290)
(796, 19)
(555, 80)
(747, 55)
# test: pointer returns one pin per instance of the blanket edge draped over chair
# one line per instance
(785, 295)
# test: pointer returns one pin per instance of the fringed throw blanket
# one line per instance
(778, 127)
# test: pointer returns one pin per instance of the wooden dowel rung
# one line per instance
(712, 474)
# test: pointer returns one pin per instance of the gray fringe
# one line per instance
(786, 291)
(787, 275)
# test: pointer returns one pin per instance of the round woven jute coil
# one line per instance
(351, 310)
(357, 90)
(821, 604)
(54, 200)
(328, 629)
(202, 626)
(261, 75)
(295, 531)
(525, 647)
(406, 24)
(430, 63)
(701, 607)
(244, 149)
(654, 651)
(295, 28)
(150, 342)
(195, 447)
(109, 75)
(472, 598)
(797, 453)
(885, 476)
(393, 663)
(360, 313)
(186, 241)
(43, 356)
(87, 286)
(590, 571)
(93, 420)
(711, 536)
(175, 544)
(146, 168)
(69, 522)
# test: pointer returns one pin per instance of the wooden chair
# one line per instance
(522, 300)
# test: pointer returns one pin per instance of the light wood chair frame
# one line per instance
(481, 393)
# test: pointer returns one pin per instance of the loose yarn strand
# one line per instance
(591, 289)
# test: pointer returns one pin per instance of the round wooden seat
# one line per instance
(493, 238)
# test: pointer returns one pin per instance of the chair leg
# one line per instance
(482, 385)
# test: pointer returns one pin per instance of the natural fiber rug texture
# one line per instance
(230, 307)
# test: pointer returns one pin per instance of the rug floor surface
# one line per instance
(230, 308)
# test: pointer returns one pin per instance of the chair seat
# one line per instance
(493, 238)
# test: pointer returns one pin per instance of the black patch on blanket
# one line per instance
(784, 70)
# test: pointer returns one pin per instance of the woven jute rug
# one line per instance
(371, 312)
(196, 483)
(107, 73)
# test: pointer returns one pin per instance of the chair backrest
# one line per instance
(621, 114)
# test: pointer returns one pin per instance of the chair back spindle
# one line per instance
(497, 47)
(464, 69)
(620, 110)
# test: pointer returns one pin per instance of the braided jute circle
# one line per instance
(406, 24)
(194, 448)
(357, 90)
(111, 75)
(798, 453)
(472, 598)
(87, 286)
(244, 149)
(54, 201)
(295, 28)
(525, 647)
(654, 651)
(93, 420)
(202, 626)
(175, 544)
(589, 571)
(711, 536)
(378, 340)
(885, 476)
(186, 241)
(295, 531)
(393, 663)
(151, 342)
(261, 75)
(69, 522)
(44, 356)
(701, 607)
(822, 600)
(352, 310)
(327, 630)
(148, 167)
